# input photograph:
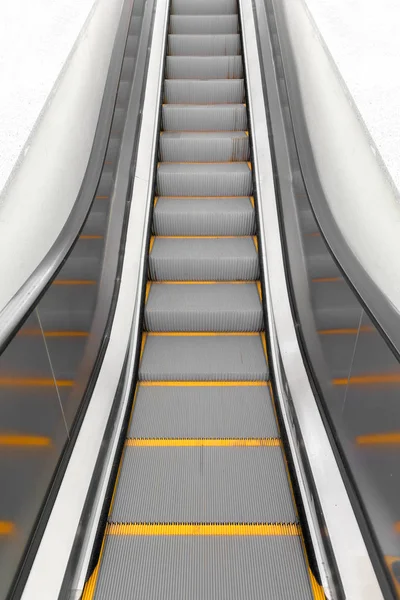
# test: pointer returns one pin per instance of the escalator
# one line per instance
(203, 505)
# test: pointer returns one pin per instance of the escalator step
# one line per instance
(222, 117)
(199, 567)
(204, 67)
(181, 484)
(204, 259)
(206, 7)
(204, 411)
(203, 358)
(204, 179)
(204, 216)
(204, 45)
(218, 146)
(204, 307)
(204, 24)
(195, 91)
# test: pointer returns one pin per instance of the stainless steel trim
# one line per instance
(47, 572)
(356, 571)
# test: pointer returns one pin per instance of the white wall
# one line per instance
(361, 197)
(363, 38)
(35, 40)
(43, 187)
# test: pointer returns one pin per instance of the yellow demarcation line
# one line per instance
(205, 237)
(316, 588)
(204, 197)
(91, 237)
(264, 345)
(200, 162)
(155, 201)
(152, 240)
(379, 439)
(148, 286)
(7, 527)
(368, 379)
(102, 197)
(255, 240)
(208, 282)
(203, 383)
(208, 131)
(209, 529)
(200, 442)
(203, 333)
(252, 201)
(90, 585)
(144, 338)
(32, 382)
(259, 290)
(24, 440)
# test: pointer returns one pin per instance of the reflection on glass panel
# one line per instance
(371, 422)
(362, 394)
(32, 435)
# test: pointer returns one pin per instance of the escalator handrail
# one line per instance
(21, 305)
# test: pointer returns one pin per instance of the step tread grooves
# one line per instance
(225, 259)
(203, 358)
(204, 216)
(224, 307)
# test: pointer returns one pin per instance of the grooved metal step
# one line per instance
(204, 45)
(203, 358)
(204, 216)
(221, 117)
(203, 485)
(195, 91)
(211, 567)
(203, 411)
(204, 179)
(218, 146)
(204, 67)
(204, 259)
(204, 24)
(204, 307)
(205, 7)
